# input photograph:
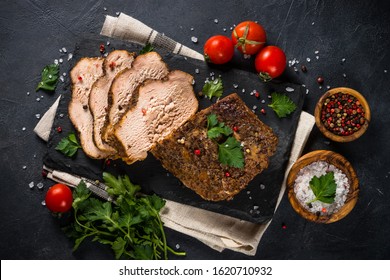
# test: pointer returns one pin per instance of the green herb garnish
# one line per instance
(213, 88)
(147, 48)
(49, 77)
(131, 226)
(282, 104)
(324, 188)
(68, 145)
(229, 151)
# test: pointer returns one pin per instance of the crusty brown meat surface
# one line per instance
(203, 173)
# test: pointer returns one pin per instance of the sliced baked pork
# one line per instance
(193, 158)
(145, 67)
(83, 75)
(115, 62)
(160, 107)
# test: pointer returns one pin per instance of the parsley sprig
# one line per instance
(68, 145)
(49, 78)
(324, 188)
(213, 88)
(282, 104)
(229, 151)
(131, 226)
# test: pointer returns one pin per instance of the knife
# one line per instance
(96, 187)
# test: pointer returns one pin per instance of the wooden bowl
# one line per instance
(328, 133)
(338, 161)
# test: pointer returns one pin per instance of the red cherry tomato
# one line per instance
(249, 37)
(270, 63)
(218, 49)
(59, 198)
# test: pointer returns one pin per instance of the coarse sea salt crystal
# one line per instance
(216, 20)
(62, 79)
(194, 39)
(70, 56)
(308, 59)
(31, 185)
(289, 89)
(64, 50)
(197, 71)
(40, 185)
(38, 116)
(304, 194)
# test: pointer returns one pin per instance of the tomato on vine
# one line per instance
(249, 37)
(270, 63)
(218, 49)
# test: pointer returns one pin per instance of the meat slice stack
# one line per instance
(162, 107)
(202, 171)
(122, 105)
(115, 62)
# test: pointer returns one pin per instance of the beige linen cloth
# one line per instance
(215, 230)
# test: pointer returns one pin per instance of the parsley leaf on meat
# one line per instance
(324, 188)
(282, 104)
(131, 226)
(68, 145)
(49, 78)
(213, 88)
(230, 151)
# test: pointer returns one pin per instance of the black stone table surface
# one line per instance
(347, 43)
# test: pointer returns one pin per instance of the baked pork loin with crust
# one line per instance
(159, 108)
(83, 75)
(115, 62)
(202, 171)
(145, 67)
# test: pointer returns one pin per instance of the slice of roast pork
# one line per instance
(145, 67)
(115, 62)
(161, 106)
(83, 75)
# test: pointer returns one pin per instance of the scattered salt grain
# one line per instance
(224, 30)
(105, 8)
(247, 56)
(108, 43)
(197, 71)
(255, 207)
(344, 75)
(262, 186)
(304, 194)
(248, 192)
(194, 39)
(235, 85)
(289, 89)
(177, 246)
(40, 185)
(64, 50)
(243, 90)
(62, 79)
(70, 56)
(31, 185)
(43, 203)
(117, 13)
(192, 29)
(56, 61)
(295, 69)
(254, 107)
(263, 101)
(328, 87)
(60, 60)
(308, 59)
(385, 71)
(38, 116)
(343, 60)
(316, 52)
(28, 93)
(64, 74)
(216, 21)
(313, 23)
(231, 28)
(251, 93)
(23, 128)
(24, 167)
(61, 115)
(307, 91)
(317, 57)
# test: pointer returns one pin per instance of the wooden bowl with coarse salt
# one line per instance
(311, 186)
(342, 114)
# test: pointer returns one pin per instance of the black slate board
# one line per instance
(256, 203)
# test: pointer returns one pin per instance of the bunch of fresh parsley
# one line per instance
(230, 150)
(131, 225)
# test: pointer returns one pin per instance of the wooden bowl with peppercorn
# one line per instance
(322, 186)
(342, 114)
